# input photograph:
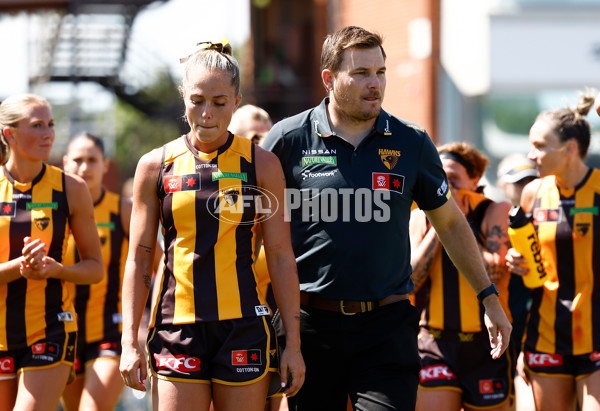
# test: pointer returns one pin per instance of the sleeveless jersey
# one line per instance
(98, 306)
(31, 310)
(209, 218)
(452, 304)
(565, 312)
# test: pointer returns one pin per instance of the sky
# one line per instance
(162, 33)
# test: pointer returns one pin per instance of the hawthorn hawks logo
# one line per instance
(389, 158)
(42, 223)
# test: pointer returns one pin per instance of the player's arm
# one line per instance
(139, 266)
(425, 245)
(496, 242)
(281, 265)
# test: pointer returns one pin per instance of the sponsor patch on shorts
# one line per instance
(492, 389)
(246, 357)
(7, 365)
(262, 310)
(436, 372)
(179, 363)
(45, 351)
(65, 316)
(543, 360)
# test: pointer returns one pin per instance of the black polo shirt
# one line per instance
(350, 206)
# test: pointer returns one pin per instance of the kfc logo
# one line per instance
(436, 372)
(543, 360)
(7, 365)
(180, 363)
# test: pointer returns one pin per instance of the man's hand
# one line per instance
(498, 326)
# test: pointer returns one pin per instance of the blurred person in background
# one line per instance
(251, 122)
(98, 384)
(562, 337)
(211, 337)
(457, 370)
(39, 205)
(514, 172)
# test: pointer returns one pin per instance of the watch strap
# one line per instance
(492, 289)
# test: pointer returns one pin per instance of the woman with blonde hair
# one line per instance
(211, 337)
(561, 349)
(39, 206)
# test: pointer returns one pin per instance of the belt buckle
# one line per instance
(342, 309)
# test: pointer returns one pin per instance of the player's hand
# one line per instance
(35, 264)
(292, 371)
(498, 326)
(133, 366)
(516, 263)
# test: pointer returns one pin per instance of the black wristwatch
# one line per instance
(487, 291)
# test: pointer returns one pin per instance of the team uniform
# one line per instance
(350, 209)
(453, 342)
(98, 306)
(563, 331)
(37, 317)
(211, 321)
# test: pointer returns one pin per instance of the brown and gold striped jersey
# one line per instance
(98, 306)
(452, 303)
(31, 310)
(209, 218)
(565, 312)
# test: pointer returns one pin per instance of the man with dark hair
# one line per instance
(352, 172)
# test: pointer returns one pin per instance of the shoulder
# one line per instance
(151, 161)
(289, 128)
(74, 183)
(529, 193)
(390, 123)
(497, 212)
(77, 193)
(594, 179)
(267, 164)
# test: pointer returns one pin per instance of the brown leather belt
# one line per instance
(347, 307)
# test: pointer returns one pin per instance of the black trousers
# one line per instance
(371, 357)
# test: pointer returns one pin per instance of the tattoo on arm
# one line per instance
(145, 248)
(147, 280)
(421, 268)
(497, 241)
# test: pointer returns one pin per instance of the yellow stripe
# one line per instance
(436, 299)
(97, 298)
(184, 211)
(5, 195)
(547, 234)
(228, 294)
(35, 300)
(584, 276)
(469, 307)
